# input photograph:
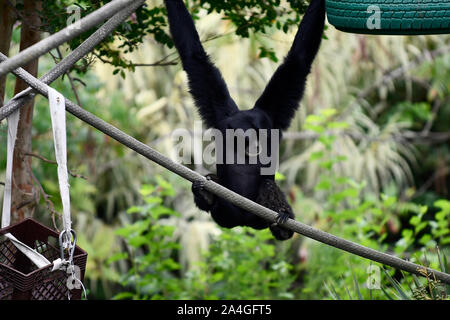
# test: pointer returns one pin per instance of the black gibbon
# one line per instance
(274, 110)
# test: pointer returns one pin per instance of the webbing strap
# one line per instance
(38, 259)
(58, 118)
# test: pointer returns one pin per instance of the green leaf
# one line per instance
(445, 240)
(170, 264)
(329, 112)
(138, 241)
(355, 281)
(313, 119)
(389, 201)
(316, 155)
(386, 294)
(123, 295)
(324, 184)
(407, 234)
(316, 128)
(116, 257)
(134, 209)
(425, 239)
(443, 204)
(397, 286)
(347, 193)
(147, 189)
(415, 220)
(331, 290)
(268, 53)
(327, 140)
(337, 125)
(125, 231)
(153, 200)
(420, 227)
(328, 164)
(279, 176)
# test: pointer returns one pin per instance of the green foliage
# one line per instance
(240, 263)
(150, 20)
(440, 227)
(150, 248)
(146, 21)
(243, 263)
(368, 221)
(371, 211)
(428, 289)
(256, 16)
(413, 114)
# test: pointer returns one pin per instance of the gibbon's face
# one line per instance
(247, 151)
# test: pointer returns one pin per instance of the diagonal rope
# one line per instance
(68, 33)
(64, 65)
(26, 95)
(229, 195)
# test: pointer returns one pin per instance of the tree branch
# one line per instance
(48, 202)
(75, 175)
(436, 106)
(440, 173)
(72, 84)
(398, 72)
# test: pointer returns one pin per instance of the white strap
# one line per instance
(38, 259)
(58, 116)
(13, 121)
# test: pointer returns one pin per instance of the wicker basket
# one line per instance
(20, 279)
(403, 17)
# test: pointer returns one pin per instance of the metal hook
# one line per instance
(71, 244)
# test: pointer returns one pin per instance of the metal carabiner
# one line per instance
(71, 246)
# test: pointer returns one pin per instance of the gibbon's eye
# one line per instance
(253, 149)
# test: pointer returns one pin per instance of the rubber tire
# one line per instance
(403, 17)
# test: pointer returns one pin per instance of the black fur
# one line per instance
(273, 110)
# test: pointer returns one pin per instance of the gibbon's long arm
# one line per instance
(205, 81)
(284, 91)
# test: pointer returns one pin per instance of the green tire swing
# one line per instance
(390, 17)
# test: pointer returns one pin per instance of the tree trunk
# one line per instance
(7, 19)
(24, 194)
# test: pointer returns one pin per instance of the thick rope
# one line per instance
(229, 195)
(64, 65)
(68, 33)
